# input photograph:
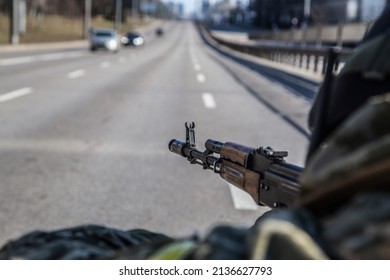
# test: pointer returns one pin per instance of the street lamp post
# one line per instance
(306, 11)
(87, 18)
(14, 22)
(118, 15)
(134, 14)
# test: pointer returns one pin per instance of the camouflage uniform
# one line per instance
(343, 212)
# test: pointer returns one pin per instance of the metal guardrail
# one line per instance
(347, 34)
(308, 57)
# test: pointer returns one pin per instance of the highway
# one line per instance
(84, 136)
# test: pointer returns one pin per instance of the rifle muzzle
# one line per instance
(176, 146)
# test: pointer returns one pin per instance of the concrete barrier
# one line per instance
(338, 35)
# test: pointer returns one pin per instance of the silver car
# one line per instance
(104, 38)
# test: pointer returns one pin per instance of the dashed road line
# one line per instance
(208, 100)
(105, 64)
(76, 74)
(15, 94)
(40, 57)
(59, 56)
(197, 67)
(201, 78)
(17, 60)
(241, 199)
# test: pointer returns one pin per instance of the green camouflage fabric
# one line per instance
(344, 213)
(360, 228)
(372, 59)
(356, 158)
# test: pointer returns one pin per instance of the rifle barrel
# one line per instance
(192, 154)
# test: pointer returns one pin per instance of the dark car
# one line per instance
(132, 39)
(159, 32)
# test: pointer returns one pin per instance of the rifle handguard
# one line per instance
(242, 178)
(237, 153)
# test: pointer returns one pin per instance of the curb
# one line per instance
(44, 46)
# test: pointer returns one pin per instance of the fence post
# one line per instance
(300, 60)
(315, 63)
(324, 64)
(308, 57)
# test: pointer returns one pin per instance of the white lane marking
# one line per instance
(52, 56)
(76, 74)
(208, 100)
(75, 54)
(41, 57)
(15, 94)
(197, 67)
(17, 60)
(201, 78)
(241, 199)
(59, 56)
(105, 64)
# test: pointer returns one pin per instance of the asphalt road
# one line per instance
(84, 136)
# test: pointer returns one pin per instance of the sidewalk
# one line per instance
(44, 46)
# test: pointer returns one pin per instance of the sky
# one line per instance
(190, 4)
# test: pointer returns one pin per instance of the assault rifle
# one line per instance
(261, 172)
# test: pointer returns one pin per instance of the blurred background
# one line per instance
(55, 20)
(92, 91)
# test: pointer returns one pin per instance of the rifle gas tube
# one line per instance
(261, 172)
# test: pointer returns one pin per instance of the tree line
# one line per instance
(76, 7)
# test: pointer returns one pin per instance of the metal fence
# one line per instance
(311, 58)
(319, 35)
